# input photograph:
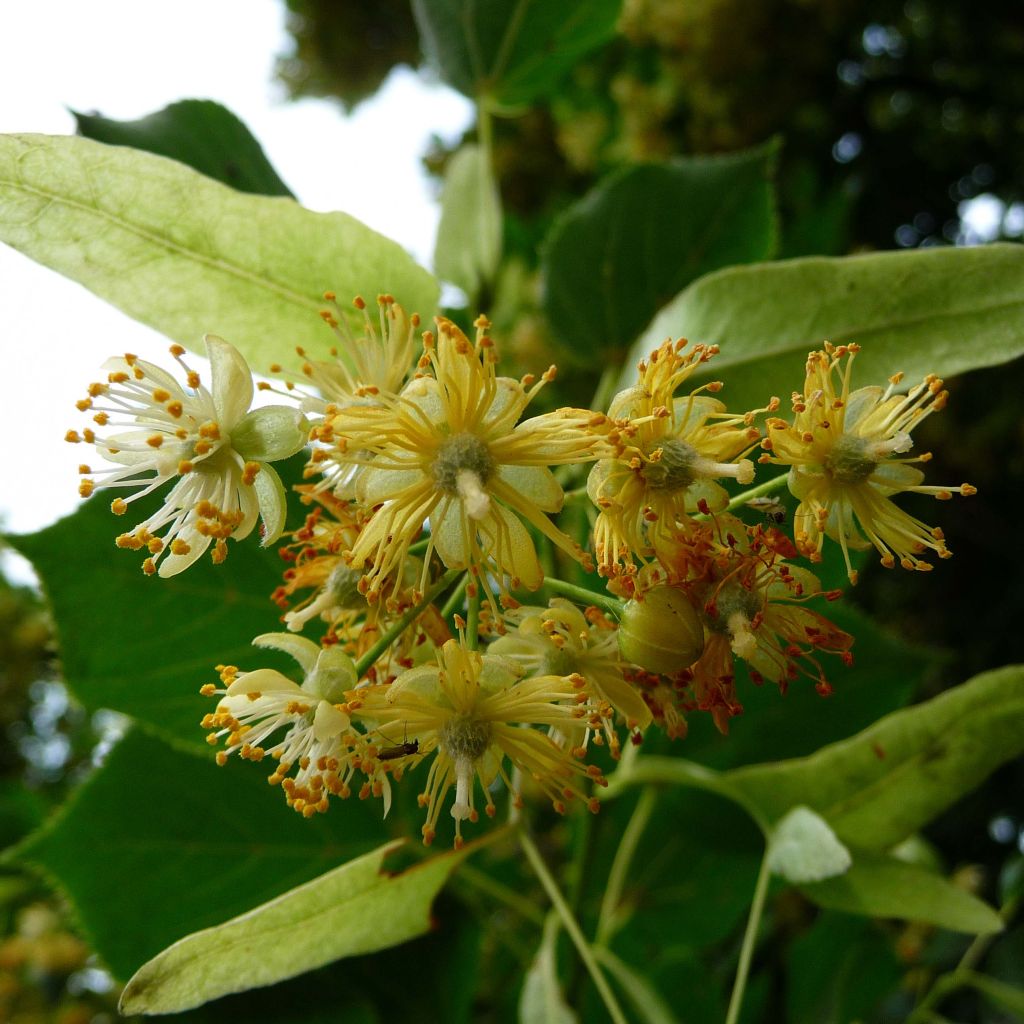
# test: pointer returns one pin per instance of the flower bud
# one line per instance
(271, 433)
(662, 633)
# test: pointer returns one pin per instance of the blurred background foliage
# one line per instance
(893, 117)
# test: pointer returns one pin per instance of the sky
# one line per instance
(126, 59)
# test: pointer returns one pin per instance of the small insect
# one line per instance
(403, 749)
(771, 508)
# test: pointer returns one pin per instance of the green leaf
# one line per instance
(188, 255)
(355, 908)
(635, 240)
(469, 235)
(542, 998)
(648, 1004)
(158, 843)
(838, 970)
(879, 886)
(200, 133)
(511, 54)
(141, 645)
(890, 780)
(940, 311)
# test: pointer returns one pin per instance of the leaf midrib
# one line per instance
(221, 265)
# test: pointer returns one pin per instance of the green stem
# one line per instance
(621, 864)
(366, 661)
(586, 597)
(502, 893)
(473, 616)
(945, 984)
(768, 487)
(420, 546)
(569, 923)
(749, 941)
(577, 494)
(455, 600)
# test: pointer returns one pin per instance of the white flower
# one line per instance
(313, 716)
(206, 438)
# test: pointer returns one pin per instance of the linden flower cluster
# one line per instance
(431, 497)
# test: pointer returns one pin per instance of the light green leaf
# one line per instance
(802, 848)
(511, 53)
(356, 908)
(879, 886)
(200, 133)
(938, 311)
(158, 843)
(890, 780)
(617, 256)
(541, 999)
(469, 235)
(649, 1005)
(188, 255)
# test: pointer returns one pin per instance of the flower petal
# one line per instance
(537, 484)
(231, 381)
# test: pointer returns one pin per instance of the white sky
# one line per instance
(125, 59)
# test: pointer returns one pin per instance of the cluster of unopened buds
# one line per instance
(428, 491)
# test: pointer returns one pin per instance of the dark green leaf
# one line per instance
(200, 133)
(879, 886)
(142, 645)
(511, 52)
(643, 234)
(838, 970)
(940, 311)
(159, 843)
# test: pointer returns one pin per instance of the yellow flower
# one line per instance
(842, 449)
(364, 366)
(448, 450)
(472, 712)
(560, 641)
(218, 451)
(671, 452)
(305, 727)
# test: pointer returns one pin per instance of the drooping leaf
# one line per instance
(510, 54)
(355, 908)
(188, 255)
(890, 780)
(141, 645)
(202, 134)
(469, 235)
(941, 310)
(880, 886)
(618, 255)
(542, 998)
(158, 843)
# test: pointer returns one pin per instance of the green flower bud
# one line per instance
(270, 434)
(662, 633)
